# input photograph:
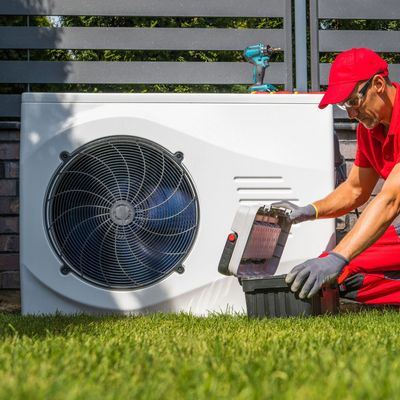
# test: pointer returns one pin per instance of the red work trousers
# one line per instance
(373, 277)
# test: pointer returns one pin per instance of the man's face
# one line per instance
(367, 108)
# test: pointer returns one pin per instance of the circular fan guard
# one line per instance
(121, 212)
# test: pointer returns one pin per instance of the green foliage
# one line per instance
(142, 88)
(21, 54)
(350, 356)
(163, 55)
(18, 20)
(136, 55)
(174, 22)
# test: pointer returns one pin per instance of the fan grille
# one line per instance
(121, 212)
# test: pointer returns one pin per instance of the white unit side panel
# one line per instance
(235, 153)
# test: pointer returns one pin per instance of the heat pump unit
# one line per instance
(126, 199)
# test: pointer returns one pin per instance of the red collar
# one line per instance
(395, 120)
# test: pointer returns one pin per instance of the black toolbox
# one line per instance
(271, 297)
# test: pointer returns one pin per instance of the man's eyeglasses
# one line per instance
(355, 101)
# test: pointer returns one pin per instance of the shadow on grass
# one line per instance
(347, 307)
(13, 324)
(59, 325)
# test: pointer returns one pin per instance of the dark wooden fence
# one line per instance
(92, 72)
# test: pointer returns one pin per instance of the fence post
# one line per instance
(300, 17)
(314, 45)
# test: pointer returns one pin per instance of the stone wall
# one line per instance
(9, 205)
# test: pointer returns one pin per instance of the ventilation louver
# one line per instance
(121, 212)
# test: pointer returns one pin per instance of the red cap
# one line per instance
(350, 67)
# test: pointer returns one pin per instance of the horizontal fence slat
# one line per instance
(167, 8)
(380, 41)
(10, 105)
(135, 72)
(394, 72)
(137, 38)
(359, 9)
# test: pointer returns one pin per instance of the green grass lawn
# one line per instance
(185, 357)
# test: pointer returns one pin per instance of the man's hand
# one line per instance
(312, 274)
(298, 214)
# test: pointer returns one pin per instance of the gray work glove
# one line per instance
(312, 274)
(298, 214)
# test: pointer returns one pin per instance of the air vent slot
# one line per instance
(258, 189)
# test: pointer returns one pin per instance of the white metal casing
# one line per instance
(238, 149)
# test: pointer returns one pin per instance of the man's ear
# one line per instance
(379, 84)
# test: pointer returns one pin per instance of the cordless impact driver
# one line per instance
(259, 55)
